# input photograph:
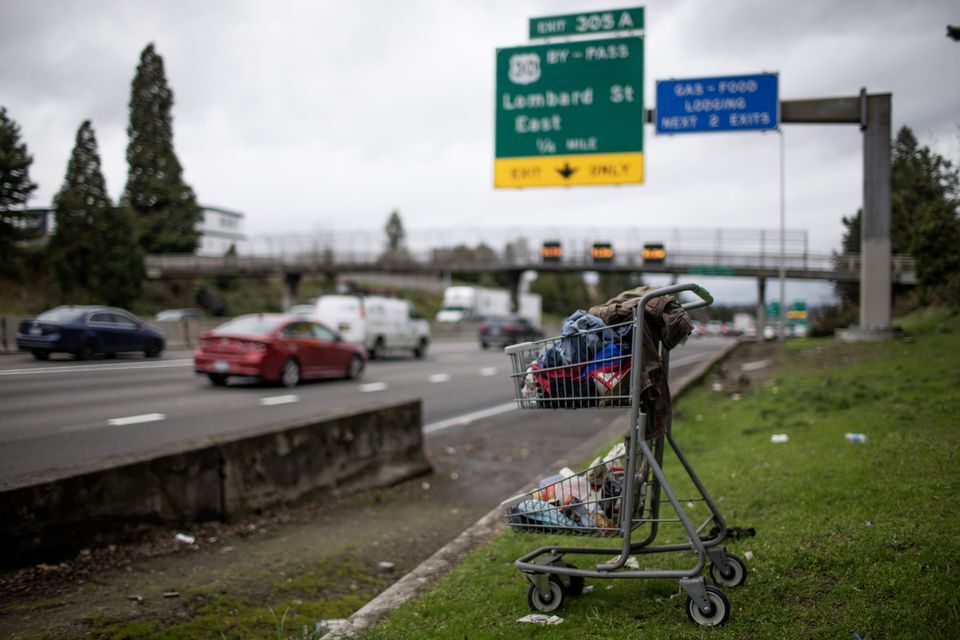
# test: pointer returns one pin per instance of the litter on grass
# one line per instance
(779, 437)
(539, 618)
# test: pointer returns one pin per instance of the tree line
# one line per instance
(97, 246)
(924, 223)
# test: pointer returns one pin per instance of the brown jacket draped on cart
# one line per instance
(664, 321)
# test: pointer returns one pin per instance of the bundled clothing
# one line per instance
(665, 321)
(592, 357)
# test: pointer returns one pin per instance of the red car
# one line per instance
(278, 348)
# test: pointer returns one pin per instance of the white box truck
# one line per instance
(531, 308)
(473, 303)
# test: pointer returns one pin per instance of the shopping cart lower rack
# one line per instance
(619, 495)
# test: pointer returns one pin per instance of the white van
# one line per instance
(392, 323)
(344, 314)
(379, 323)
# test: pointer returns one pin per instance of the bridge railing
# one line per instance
(822, 265)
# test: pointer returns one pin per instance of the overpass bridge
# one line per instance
(832, 267)
(741, 253)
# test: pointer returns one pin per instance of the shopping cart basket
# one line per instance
(619, 495)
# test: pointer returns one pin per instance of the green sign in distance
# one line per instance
(580, 24)
(570, 113)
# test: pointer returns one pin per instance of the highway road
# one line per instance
(63, 413)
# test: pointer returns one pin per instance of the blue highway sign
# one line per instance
(729, 103)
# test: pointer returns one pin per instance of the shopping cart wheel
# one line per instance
(719, 609)
(572, 585)
(543, 602)
(576, 585)
(736, 574)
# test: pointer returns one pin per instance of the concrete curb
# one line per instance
(483, 530)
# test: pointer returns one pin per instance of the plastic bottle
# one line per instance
(856, 438)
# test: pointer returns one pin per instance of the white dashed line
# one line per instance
(373, 386)
(272, 400)
(467, 418)
(486, 372)
(93, 368)
(439, 377)
(146, 417)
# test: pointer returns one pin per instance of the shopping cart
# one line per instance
(619, 495)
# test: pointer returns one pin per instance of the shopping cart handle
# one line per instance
(705, 298)
(703, 294)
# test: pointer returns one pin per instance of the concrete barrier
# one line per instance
(45, 517)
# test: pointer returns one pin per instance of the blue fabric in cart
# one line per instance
(583, 335)
(543, 513)
(610, 358)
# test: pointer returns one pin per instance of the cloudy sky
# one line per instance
(316, 115)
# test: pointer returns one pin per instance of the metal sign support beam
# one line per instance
(872, 113)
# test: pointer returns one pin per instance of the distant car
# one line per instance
(88, 331)
(168, 315)
(276, 348)
(507, 330)
(714, 328)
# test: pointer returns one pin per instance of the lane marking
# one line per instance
(439, 377)
(145, 417)
(98, 367)
(373, 386)
(488, 371)
(274, 400)
(467, 418)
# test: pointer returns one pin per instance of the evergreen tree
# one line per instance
(395, 232)
(924, 222)
(15, 188)
(563, 293)
(165, 206)
(94, 248)
(120, 270)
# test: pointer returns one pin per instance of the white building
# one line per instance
(219, 230)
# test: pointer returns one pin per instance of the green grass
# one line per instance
(851, 538)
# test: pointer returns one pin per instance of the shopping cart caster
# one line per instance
(572, 585)
(735, 575)
(716, 615)
(546, 602)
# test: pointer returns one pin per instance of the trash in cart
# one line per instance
(585, 503)
(615, 356)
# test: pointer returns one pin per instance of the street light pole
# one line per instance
(781, 332)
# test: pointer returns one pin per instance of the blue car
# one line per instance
(87, 332)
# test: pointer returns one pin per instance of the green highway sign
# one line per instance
(580, 24)
(570, 113)
(710, 270)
